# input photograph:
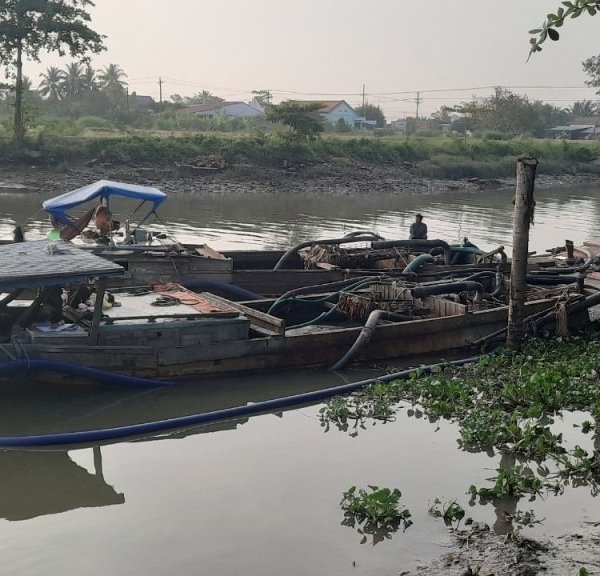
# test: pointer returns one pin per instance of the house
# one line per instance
(574, 132)
(332, 111)
(578, 129)
(140, 101)
(227, 109)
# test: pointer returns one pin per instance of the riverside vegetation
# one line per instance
(453, 157)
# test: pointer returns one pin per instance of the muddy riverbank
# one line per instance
(480, 552)
(319, 180)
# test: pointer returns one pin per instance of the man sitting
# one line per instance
(418, 229)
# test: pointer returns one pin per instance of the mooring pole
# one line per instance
(523, 219)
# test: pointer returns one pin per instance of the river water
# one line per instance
(260, 496)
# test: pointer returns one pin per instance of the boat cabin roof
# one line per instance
(42, 263)
(102, 189)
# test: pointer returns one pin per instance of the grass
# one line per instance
(430, 157)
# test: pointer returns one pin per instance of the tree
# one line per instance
(569, 9)
(51, 85)
(372, 112)
(263, 97)
(111, 80)
(509, 112)
(591, 67)
(204, 97)
(472, 113)
(90, 84)
(29, 26)
(582, 109)
(73, 81)
(303, 119)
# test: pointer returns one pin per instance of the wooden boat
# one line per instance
(149, 257)
(170, 332)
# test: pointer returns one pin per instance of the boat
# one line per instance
(166, 331)
(150, 256)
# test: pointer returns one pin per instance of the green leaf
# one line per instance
(536, 31)
(553, 34)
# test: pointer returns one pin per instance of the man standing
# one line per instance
(418, 229)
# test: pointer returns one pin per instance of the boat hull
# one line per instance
(319, 348)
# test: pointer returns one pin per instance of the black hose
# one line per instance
(348, 239)
(550, 280)
(424, 245)
(109, 434)
(480, 275)
(367, 333)
(452, 288)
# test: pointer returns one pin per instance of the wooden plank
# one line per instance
(260, 319)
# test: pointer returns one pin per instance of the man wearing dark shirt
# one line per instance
(418, 229)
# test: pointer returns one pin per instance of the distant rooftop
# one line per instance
(327, 105)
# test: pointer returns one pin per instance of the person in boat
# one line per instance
(418, 229)
(104, 222)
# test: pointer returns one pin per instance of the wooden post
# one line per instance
(523, 218)
(100, 291)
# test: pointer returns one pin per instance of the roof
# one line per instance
(572, 127)
(101, 189)
(35, 264)
(328, 105)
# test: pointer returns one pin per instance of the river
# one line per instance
(262, 496)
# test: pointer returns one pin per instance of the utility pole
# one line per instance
(160, 83)
(418, 102)
(362, 124)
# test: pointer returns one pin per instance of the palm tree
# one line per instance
(583, 109)
(90, 83)
(110, 79)
(73, 80)
(51, 84)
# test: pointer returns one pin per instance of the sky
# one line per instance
(448, 50)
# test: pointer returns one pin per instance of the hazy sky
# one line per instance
(330, 48)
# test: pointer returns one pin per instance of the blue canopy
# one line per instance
(101, 190)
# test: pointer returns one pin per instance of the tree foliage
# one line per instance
(302, 118)
(509, 113)
(263, 97)
(372, 112)
(582, 109)
(554, 20)
(204, 97)
(591, 67)
(29, 26)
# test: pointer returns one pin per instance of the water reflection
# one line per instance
(36, 407)
(255, 221)
(36, 484)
